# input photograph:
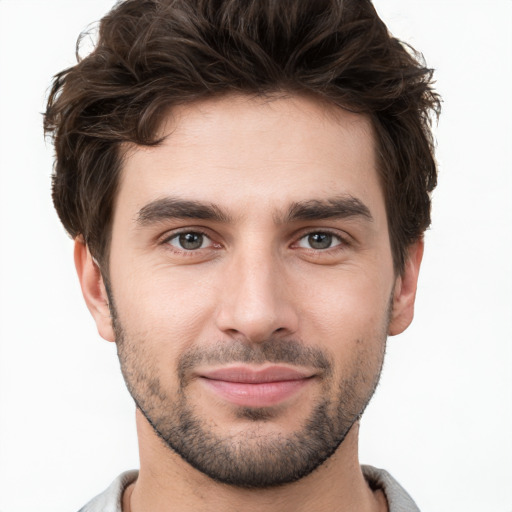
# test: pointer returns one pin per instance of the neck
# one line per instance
(167, 483)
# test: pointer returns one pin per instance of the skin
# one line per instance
(255, 278)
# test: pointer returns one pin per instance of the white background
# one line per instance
(441, 421)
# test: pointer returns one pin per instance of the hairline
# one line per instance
(330, 109)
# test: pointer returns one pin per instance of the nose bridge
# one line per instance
(254, 302)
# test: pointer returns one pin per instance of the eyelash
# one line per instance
(342, 244)
(182, 251)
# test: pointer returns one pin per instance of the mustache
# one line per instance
(269, 351)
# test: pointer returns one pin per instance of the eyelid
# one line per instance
(206, 241)
(335, 238)
(169, 235)
(344, 238)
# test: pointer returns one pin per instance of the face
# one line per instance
(252, 284)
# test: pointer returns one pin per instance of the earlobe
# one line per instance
(93, 289)
(405, 291)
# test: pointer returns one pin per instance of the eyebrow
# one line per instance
(341, 207)
(315, 209)
(175, 208)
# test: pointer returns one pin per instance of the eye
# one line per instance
(189, 241)
(319, 241)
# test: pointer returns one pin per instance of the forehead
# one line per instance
(254, 154)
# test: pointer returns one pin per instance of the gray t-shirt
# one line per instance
(398, 499)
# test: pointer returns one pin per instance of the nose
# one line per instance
(256, 300)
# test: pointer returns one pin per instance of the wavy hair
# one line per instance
(154, 54)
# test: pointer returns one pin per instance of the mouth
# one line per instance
(256, 387)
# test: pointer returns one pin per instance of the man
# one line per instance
(247, 184)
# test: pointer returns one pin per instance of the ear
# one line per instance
(93, 289)
(405, 291)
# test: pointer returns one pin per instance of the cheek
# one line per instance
(349, 318)
(165, 305)
(348, 304)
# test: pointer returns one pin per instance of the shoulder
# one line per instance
(397, 497)
(110, 499)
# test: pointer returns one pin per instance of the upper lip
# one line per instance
(251, 375)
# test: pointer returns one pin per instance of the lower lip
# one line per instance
(264, 394)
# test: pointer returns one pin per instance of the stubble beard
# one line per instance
(254, 458)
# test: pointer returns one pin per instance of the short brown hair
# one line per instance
(154, 54)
